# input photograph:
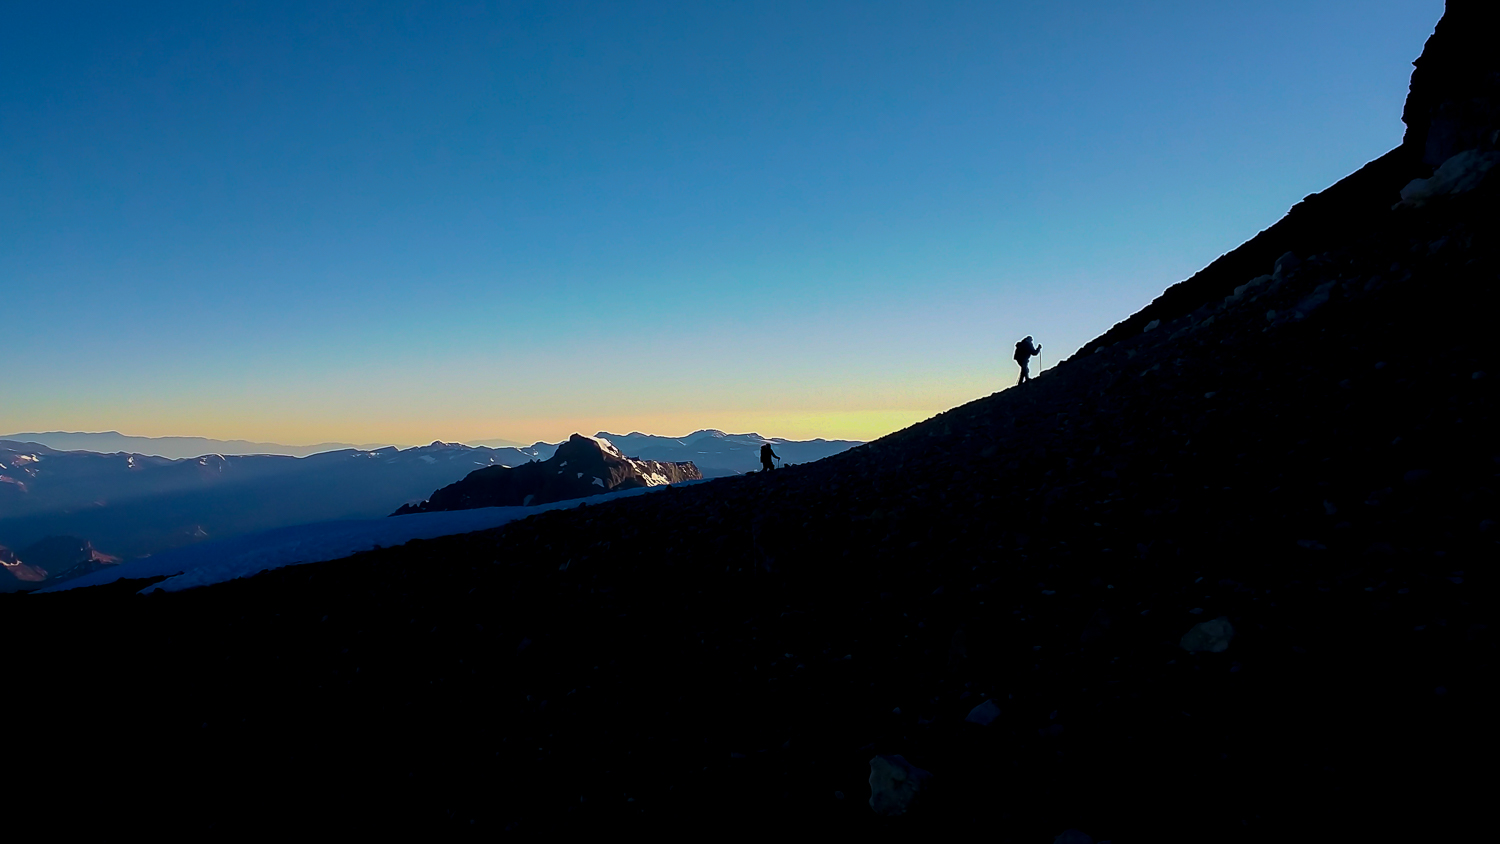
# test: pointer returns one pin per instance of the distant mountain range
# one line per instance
(130, 503)
(714, 452)
(111, 442)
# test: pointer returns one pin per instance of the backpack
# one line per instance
(1023, 351)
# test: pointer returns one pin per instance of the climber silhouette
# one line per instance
(1025, 351)
(765, 457)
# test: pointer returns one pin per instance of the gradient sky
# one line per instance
(299, 222)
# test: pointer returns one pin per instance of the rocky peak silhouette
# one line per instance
(581, 467)
(1454, 101)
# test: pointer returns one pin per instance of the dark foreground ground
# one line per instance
(728, 657)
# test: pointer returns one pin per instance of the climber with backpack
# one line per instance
(766, 454)
(1025, 351)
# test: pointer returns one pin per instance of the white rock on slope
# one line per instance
(984, 714)
(1211, 636)
(1460, 173)
(894, 784)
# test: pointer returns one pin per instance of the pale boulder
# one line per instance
(894, 784)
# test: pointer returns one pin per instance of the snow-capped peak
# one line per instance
(604, 445)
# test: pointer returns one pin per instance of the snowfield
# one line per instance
(243, 556)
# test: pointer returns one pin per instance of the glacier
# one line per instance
(228, 559)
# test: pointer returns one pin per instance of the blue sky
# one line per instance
(342, 221)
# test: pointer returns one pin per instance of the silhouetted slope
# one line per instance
(1319, 222)
(580, 468)
(1453, 105)
(1313, 459)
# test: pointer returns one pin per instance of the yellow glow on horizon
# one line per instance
(831, 424)
(364, 411)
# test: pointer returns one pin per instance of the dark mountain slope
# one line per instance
(1453, 105)
(1317, 223)
(1314, 461)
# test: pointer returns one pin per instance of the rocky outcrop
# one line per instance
(895, 784)
(16, 575)
(581, 467)
(54, 559)
(1454, 102)
(717, 454)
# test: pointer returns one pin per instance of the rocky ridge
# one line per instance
(51, 560)
(718, 454)
(579, 468)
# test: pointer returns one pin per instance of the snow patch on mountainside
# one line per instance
(605, 445)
